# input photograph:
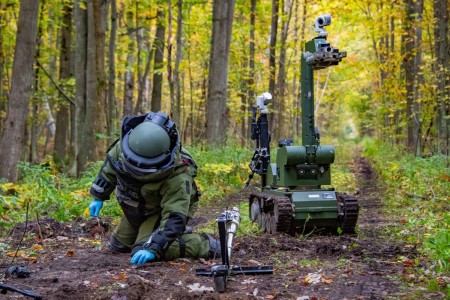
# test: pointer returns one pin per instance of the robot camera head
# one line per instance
(321, 22)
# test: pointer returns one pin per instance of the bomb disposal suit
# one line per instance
(154, 181)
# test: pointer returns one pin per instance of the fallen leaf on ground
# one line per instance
(20, 253)
(248, 281)
(327, 281)
(121, 277)
(181, 265)
(37, 247)
(408, 262)
(312, 278)
(197, 287)
(254, 262)
(444, 177)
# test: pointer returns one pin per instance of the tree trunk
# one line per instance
(408, 68)
(91, 86)
(441, 50)
(191, 100)
(81, 61)
(251, 65)
(243, 93)
(65, 72)
(418, 79)
(90, 112)
(170, 76)
(111, 100)
(129, 73)
(176, 105)
(273, 116)
(35, 126)
(242, 80)
(282, 132)
(298, 119)
(158, 45)
(142, 40)
(216, 123)
(273, 44)
(3, 63)
(100, 17)
(12, 139)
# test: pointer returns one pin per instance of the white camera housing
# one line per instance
(261, 102)
(322, 21)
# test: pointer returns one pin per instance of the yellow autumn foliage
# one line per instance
(218, 168)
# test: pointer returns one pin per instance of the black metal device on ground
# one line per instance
(228, 224)
(19, 272)
(4, 288)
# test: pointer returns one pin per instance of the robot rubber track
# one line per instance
(348, 212)
(275, 213)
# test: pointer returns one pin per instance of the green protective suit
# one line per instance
(156, 207)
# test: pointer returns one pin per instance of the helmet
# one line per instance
(150, 146)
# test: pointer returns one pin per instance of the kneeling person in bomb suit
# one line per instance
(154, 180)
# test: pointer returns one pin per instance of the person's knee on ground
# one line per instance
(124, 237)
(195, 246)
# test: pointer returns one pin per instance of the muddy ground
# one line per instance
(73, 262)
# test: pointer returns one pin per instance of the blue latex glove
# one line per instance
(95, 206)
(141, 257)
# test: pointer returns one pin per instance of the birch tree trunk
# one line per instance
(12, 140)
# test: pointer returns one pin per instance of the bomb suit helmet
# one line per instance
(150, 146)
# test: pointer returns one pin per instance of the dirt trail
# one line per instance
(369, 265)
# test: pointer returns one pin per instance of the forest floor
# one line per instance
(71, 264)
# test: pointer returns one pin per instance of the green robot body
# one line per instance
(292, 197)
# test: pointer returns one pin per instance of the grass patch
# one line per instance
(222, 170)
(417, 193)
(51, 194)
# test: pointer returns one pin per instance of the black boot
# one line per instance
(214, 247)
(117, 247)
